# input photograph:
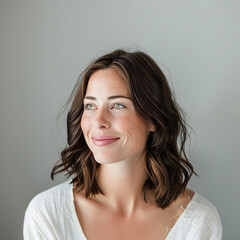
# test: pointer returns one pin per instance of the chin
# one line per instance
(104, 159)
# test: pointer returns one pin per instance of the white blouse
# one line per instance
(51, 215)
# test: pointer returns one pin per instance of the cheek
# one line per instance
(123, 122)
(133, 127)
(84, 124)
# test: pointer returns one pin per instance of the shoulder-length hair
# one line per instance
(166, 163)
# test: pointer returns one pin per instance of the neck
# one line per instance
(122, 184)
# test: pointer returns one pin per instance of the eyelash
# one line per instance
(87, 105)
(122, 106)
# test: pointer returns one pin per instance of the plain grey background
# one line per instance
(45, 45)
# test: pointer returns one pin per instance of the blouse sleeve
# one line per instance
(207, 224)
(32, 227)
(37, 224)
(201, 221)
(213, 226)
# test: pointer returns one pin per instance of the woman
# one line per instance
(125, 154)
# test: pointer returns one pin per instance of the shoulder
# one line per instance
(54, 195)
(46, 213)
(50, 203)
(200, 206)
(202, 218)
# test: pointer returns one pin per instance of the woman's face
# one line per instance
(112, 129)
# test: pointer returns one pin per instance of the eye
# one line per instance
(118, 106)
(89, 106)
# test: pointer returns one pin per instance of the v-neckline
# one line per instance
(74, 214)
(181, 217)
(168, 237)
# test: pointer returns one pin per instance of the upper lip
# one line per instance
(99, 138)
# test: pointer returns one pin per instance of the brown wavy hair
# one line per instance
(166, 163)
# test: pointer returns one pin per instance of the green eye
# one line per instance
(118, 106)
(89, 107)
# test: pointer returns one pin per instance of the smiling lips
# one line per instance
(104, 140)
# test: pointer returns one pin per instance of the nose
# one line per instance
(102, 119)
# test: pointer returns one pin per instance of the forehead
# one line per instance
(106, 81)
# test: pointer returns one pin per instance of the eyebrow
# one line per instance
(109, 98)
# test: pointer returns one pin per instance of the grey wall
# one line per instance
(44, 45)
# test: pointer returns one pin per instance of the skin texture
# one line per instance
(115, 118)
(117, 136)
